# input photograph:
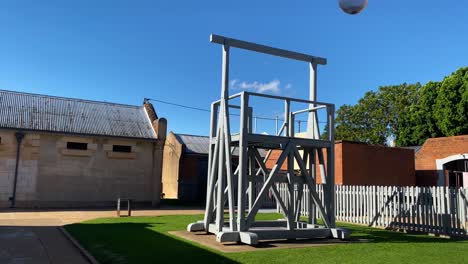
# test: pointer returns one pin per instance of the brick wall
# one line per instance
(192, 178)
(433, 149)
(362, 164)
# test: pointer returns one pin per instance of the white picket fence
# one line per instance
(434, 210)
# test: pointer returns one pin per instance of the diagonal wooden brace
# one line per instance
(270, 180)
(310, 184)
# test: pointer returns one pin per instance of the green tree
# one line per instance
(451, 105)
(418, 122)
(376, 117)
(324, 134)
(398, 100)
(409, 113)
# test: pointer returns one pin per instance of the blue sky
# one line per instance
(123, 51)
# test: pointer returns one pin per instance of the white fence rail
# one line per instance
(436, 210)
(269, 201)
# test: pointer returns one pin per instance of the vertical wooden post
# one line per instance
(312, 125)
(243, 162)
(221, 140)
(312, 171)
(287, 122)
(252, 183)
(252, 160)
(331, 164)
(211, 153)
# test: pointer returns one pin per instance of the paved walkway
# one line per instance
(37, 245)
(33, 236)
(65, 217)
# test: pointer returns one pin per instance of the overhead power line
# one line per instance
(207, 110)
(179, 105)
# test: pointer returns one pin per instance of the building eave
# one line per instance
(78, 134)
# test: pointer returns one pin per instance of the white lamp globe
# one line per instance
(352, 7)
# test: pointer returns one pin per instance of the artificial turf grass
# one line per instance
(146, 240)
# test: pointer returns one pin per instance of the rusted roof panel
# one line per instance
(75, 116)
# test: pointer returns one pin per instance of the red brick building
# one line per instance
(363, 164)
(443, 161)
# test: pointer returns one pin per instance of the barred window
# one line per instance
(122, 148)
(77, 145)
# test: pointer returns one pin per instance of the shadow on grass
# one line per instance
(139, 243)
(376, 235)
(387, 236)
(145, 239)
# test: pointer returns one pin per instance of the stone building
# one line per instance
(185, 167)
(64, 152)
(443, 162)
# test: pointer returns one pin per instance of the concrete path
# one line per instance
(33, 236)
(65, 217)
(37, 245)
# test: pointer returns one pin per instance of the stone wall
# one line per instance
(184, 174)
(52, 175)
(27, 167)
(171, 167)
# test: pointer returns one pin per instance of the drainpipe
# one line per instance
(19, 138)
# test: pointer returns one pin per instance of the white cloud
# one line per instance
(233, 83)
(273, 86)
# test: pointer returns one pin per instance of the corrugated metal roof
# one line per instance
(200, 144)
(415, 148)
(194, 144)
(76, 116)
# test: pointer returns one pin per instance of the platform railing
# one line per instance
(287, 128)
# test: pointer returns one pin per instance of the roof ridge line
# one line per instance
(70, 98)
(181, 134)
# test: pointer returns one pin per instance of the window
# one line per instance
(77, 145)
(121, 148)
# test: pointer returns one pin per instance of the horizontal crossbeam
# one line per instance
(266, 49)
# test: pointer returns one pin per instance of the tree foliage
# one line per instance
(451, 105)
(419, 123)
(408, 113)
(376, 117)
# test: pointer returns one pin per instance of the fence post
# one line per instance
(439, 210)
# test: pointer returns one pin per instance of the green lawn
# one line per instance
(146, 240)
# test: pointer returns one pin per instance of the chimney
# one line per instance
(150, 110)
(159, 124)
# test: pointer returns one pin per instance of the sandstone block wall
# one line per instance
(52, 175)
